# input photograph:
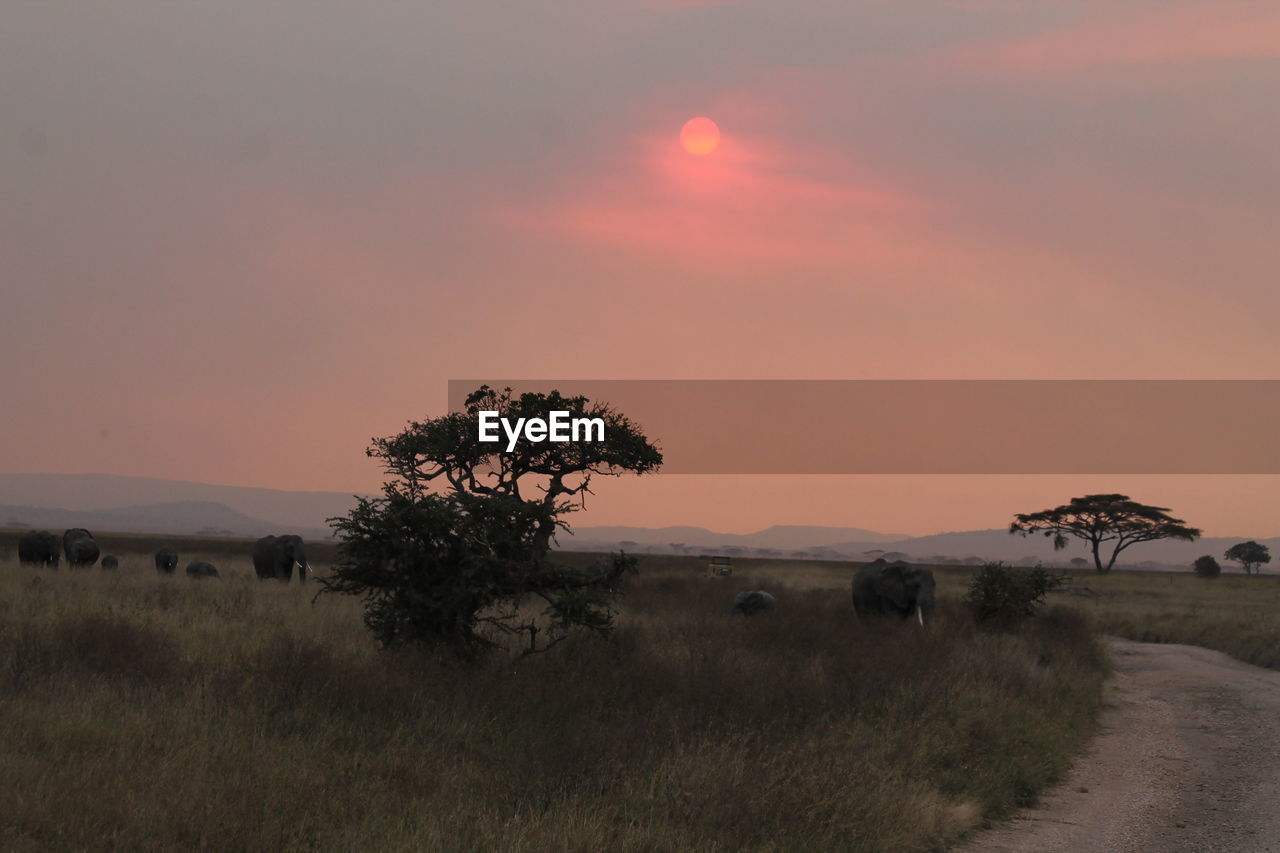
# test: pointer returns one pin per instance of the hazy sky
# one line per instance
(238, 239)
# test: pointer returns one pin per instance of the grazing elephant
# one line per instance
(166, 561)
(752, 602)
(275, 557)
(110, 562)
(201, 570)
(897, 587)
(82, 552)
(39, 548)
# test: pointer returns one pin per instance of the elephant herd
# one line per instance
(274, 557)
(879, 587)
(42, 548)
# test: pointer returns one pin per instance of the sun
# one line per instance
(700, 136)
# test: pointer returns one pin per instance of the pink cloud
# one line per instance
(756, 199)
(1187, 34)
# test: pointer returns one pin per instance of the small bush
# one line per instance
(1001, 593)
(1207, 567)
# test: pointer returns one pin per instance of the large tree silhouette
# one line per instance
(457, 547)
(448, 449)
(1101, 520)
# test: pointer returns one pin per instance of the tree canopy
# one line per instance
(456, 550)
(1251, 555)
(1104, 519)
(448, 449)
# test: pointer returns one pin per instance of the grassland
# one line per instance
(145, 713)
(1236, 614)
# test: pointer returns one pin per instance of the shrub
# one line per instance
(452, 572)
(1000, 593)
(1207, 567)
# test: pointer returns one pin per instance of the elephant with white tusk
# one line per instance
(166, 560)
(39, 548)
(897, 587)
(276, 557)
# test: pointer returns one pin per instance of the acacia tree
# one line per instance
(1249, 554)
(448, 449)
(1103, 519)
(458, 544)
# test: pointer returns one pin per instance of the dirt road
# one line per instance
(1188, 760)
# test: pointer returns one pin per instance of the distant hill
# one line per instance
(778, 536)
(276, 508)
(996, 544)
(191, 517)
(143, 504)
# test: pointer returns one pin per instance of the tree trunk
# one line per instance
(1097, 559)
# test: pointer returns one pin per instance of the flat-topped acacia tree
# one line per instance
(448, 449)
(1251, 555)
(1103, 519)
(459, 542)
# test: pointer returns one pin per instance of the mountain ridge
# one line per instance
(189, 517)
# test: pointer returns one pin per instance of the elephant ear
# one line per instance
(921, 578)
(893, 587)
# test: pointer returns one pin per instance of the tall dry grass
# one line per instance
(1235, 614)
(149, 713)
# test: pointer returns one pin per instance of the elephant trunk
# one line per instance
(920, 613)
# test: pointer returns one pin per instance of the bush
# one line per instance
(1207, 567)
(1001, 593)
(453, 572)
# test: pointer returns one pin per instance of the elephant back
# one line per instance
(753, 601)
(78, 545)
(199, 569)
(264, 564)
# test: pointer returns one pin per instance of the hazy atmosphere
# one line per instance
(238, 241)
(640, 425)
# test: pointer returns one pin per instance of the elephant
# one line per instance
(39, 548)
(752, 602)
(275, 557)
(81, 550)
(897, 587)
(166, 561)
(110, 563)
(200, 569)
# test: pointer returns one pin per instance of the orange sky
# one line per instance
(238, 243)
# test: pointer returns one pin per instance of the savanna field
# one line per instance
(148, 712)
